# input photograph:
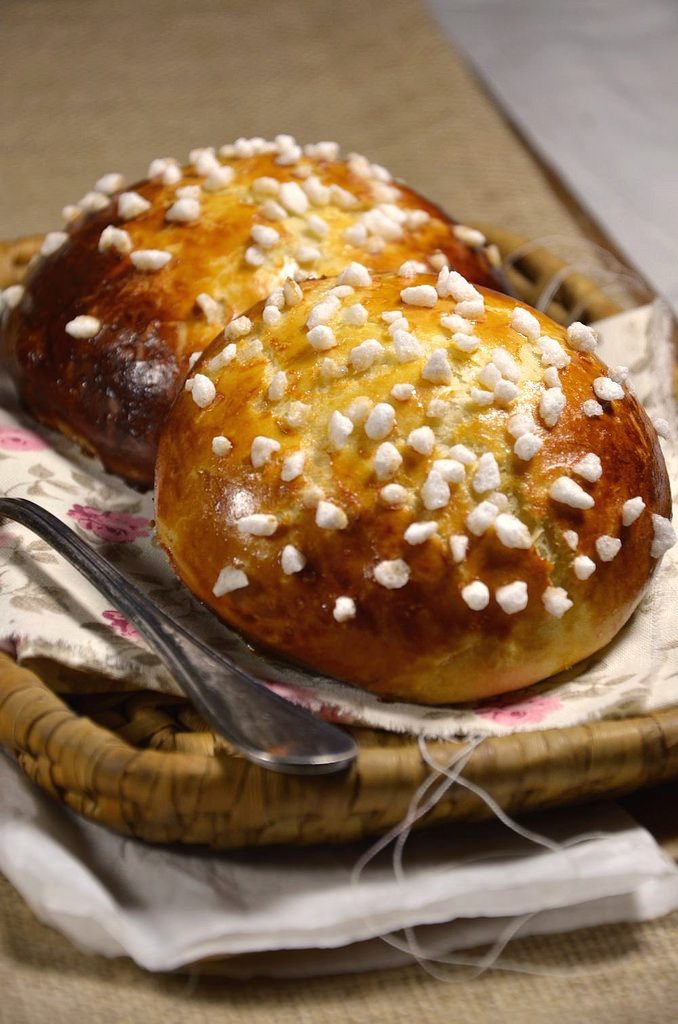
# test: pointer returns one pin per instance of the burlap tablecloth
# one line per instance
(88, 88)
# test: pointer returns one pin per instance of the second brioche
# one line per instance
(102, 332)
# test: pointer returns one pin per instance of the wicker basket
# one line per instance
(15, 257)
(148, 766)
(145, 764)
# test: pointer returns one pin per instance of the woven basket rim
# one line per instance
(144, 792)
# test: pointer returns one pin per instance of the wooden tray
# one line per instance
(145, 764)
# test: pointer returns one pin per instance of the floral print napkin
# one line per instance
(48, 611)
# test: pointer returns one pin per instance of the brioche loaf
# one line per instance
(101, 336)
(418, 486)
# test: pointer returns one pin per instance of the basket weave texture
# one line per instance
(146, 765)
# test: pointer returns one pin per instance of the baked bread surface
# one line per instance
(109, 389)
(324, 566)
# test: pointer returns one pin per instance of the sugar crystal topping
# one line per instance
(571, 538)
(262, 450)
(525, 323)
(380, 421)
(664, 536)
(459, 546)
(553, 354)
(322, 338)
(556, 601)
(183, 211)
(115, 239)
(589, 467)
(591, 408)
(486, 477)
(607, 390)
(344, 609)
(203, 391)
(567, 491)
(438, 370)
(110, 183)
(393, 495)
(552, 378)
(448, 377)
(221, 445)
(476, 595)
(258, 525)
(512, 597)
(366, 354)
(406, 347)
(293, 466)
(278, 386)
(11, 296)
(131, 205)
(422, 440)
(435, 493)
(387, 461)
(339, 430)
(662, 426)
(608, 547)
(228, 580)
(581, 337)
(419, 295)
(150, 260)
(292, 560)
(330, 517)
(551, 406)
(527, 446)
(481, 517)
(93, 201)
(584, 567)
(52, 242)
(462, 454)
(83, 327)
(392, 574)
(450, 470)
(632, 509)
(417, 533)
(511, 532)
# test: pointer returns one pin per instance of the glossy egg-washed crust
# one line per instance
(111, 392)
(420, 642)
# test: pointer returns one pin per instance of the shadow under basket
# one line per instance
(146, 765)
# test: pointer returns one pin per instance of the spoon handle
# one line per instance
(264, 727)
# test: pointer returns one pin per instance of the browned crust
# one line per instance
(111, 392)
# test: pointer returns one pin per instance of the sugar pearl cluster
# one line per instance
(423, 471)
(293, 209)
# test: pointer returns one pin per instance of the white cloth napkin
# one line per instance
(48, 610)
(306, 909)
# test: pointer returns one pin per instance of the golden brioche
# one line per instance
(414, 485)
(140, 281)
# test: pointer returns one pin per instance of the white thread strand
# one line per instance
(427, 795)
(414, 811)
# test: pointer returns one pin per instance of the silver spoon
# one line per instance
(267, 729)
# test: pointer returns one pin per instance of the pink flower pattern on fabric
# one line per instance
(531, 711)
(120, 625)
(115, 527)
(16, 439)
(305, 699)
